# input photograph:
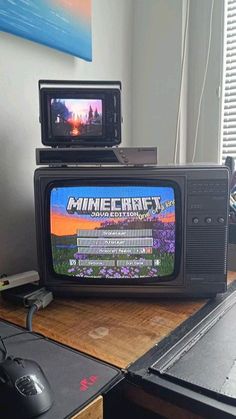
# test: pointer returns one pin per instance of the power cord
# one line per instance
(5, 350)
(29, 317)
(31, 297)
(37, 300)
(181, 81)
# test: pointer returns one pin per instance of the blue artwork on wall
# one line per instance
(61, 24)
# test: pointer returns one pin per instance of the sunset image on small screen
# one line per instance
(76, 117)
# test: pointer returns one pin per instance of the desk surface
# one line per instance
(113, 330)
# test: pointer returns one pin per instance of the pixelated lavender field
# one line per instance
(64, 248)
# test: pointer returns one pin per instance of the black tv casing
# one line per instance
(201, 257)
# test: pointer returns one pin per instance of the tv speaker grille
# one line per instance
(206, 250)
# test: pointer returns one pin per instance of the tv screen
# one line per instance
(114, 232)
(76, 117)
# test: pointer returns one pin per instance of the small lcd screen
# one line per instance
(113, 232)
(76, 117)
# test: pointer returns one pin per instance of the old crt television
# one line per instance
(84, 115)
(127, 231)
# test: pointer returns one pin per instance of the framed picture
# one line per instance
(61, 24)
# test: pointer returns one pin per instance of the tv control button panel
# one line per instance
(207, 203)
(201, 220)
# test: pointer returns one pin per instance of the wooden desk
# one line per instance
(115, 331)
(94, 410)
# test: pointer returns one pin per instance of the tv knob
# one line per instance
(195, 220)
(208, 220)
(221, 220)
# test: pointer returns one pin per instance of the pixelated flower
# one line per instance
(88, 271)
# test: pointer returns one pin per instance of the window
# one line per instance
(229, 96)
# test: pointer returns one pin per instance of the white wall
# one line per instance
(157, 46)
(209, 125)
(157, 43)
(22, 64)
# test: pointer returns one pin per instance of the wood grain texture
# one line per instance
(93, 410)
(117, 331)
(231, 277)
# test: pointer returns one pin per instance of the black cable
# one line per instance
(32, 298)
(18, 334)
(29, 318)
(4, 350)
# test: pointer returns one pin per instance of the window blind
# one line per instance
(229, 97)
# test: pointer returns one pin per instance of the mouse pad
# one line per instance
(209, 363)
(75, 378)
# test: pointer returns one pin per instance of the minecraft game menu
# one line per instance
(113, 231)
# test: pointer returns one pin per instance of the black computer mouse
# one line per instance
(24, 389)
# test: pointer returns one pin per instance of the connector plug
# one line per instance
(41, 298)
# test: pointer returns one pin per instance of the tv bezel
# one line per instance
(119, 281)
(189, 282)
(46, 94)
